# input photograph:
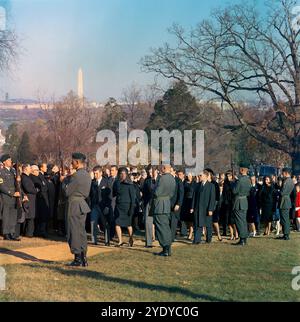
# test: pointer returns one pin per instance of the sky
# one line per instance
(106, 38)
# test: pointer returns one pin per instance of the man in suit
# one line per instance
(77, 190)
(176, 201)
(286, 203)
(163, 194)
(9, 202)
(30, 191)
(204, 205)
(100, 204)
(241, 190)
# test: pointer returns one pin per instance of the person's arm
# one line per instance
(70, 186)
(28, 186)
(212, 201)
(4, 190)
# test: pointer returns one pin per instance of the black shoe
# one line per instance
(280, 238)
(168, 249)
(6, 237)
(76, 262)
(286, 237)
(148, 246)
(84, 261)
(242, 242)
(163, 253)
(107, 244)
(13, 238)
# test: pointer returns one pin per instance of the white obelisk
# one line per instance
(80, 83)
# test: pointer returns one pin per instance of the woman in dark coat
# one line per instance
(30, 191)
(226, 205)
(187, 205)
(125, 194)
(267, 203)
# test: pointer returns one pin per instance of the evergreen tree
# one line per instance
(12, 140)
(24, 153)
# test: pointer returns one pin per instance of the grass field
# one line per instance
(260, 271)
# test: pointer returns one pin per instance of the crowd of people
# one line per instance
(161, 202)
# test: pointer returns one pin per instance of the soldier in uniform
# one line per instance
(9, 202)
(77, 190)
(241, 190)
(285, 203)
(162, 208)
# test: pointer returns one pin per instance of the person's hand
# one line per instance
(25, 199)
(62, 178)
(210, 213)
(176, 208)
(18, 178)
(17, 194)
(191, 211)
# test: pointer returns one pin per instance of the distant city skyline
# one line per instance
(105, 38)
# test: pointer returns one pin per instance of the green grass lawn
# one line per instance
(260, 271)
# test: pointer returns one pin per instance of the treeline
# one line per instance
(71, 124)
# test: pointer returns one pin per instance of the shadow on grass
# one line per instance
(22, 255)
(75, 272)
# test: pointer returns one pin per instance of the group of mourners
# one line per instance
(164, 202)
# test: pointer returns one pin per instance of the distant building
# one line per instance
(19, 104)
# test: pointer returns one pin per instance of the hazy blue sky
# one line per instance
(106, 38)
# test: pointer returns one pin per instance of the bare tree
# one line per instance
(132, 96)
(243, 54)
(8, 41)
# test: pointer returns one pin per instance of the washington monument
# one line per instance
(80, 83)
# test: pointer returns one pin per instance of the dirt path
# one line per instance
(53, 252)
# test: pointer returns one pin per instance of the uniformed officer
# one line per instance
(77, 190)
(285, 203)
(162, 208)
(241, 190)
(9, 202)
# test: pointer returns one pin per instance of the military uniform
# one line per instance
(9, 202)
(77, 190)
(285, 205)
(161, 211)
(241, 190)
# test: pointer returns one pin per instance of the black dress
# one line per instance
(226, 205)
(125, 194)
(187, 205)
(267, 203)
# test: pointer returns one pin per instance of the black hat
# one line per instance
(244, 164)
(288, 170)
(210, 171)
(5, 157)
(78, 156)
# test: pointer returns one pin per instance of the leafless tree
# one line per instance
(243, 54)
(8, 45)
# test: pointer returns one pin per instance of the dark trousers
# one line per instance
(29, 227)
(285, 221)
(162, 229)
(76, 233)
(241, 223)
(105, 220)
(9, 219)
(148, 225)
(198, 231)
(175, 217)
